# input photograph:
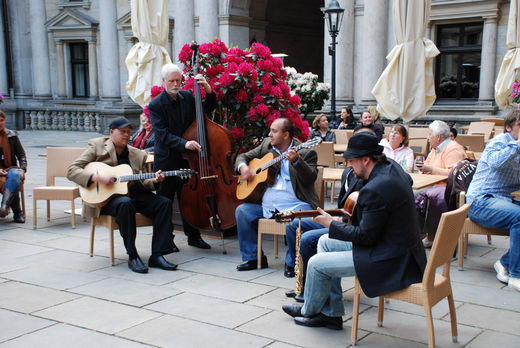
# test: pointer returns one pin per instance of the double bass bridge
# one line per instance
(209, 177)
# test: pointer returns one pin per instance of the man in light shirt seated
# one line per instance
(497, 175)
(293, 188)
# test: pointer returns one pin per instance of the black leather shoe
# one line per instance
(294, 310)
(321, 320)
(290, 293)
(197, 242)
(289, 271)
(18, 218)
(175, 249)
(136, 265)
(160, 262)
(250, 265)
(299, 299)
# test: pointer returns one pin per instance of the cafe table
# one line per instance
(424, 180)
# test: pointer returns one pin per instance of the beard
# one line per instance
(174, 90)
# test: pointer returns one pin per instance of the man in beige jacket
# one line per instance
(115, 151)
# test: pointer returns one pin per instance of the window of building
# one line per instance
(79, 70)
(457, 71)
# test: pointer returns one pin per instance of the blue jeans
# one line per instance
(290, 234)
(498, 213)
(12, 182)
(247, 216)
(323, 286)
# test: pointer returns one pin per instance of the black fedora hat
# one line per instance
(362, 144)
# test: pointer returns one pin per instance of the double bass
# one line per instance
(208, 200)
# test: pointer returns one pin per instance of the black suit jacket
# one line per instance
(170, 119)
(387, 249)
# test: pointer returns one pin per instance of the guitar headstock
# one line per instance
(186, 173)
(313, 142)
(284, 216)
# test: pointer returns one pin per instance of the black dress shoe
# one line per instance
(321, 320)
(136, 265)
(299, 299)
(18, 218)
(289, 271)
(175, 249)
(197, 242)
(294, 310)
(290, 293)
(160, 262)
(250, 265)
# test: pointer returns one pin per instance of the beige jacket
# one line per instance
(103, 150)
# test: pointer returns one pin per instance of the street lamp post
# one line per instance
(333, 15)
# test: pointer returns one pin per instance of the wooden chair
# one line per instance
(58, 160)
(472, 228)
(325, 153)
(485, 128)
(342, 136)
(472, 142)
(418, 132)
(270, 226)
(110, 223)
(419, 146)
(434, 286)
(498, 121)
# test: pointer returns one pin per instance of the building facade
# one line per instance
(62, 61)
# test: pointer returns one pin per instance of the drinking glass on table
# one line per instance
(419, 161)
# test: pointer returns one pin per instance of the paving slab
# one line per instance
(125, 291)
(223, 269)
(503, 298)
(374, 340)
(224, 288)
(27, 298)
(479, 316)
(99, 315)
(494, 339)
(170, 331)
(66, 336)
(24, 235)
(15, 324)
(208, 310)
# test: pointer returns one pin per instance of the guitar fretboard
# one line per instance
(284, 155)
(143, 176)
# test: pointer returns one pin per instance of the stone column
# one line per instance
(60, 67)
(21, 48)
(207, 11)
(4, 84)
(109, 50)
(345, 56)
(375, 27)
(487, 63)
(40, 50)
(184, 31)
(92, 69)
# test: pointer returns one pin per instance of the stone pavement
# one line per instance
(52, 294)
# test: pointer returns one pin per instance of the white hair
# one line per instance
(440, 127)
(169, 68)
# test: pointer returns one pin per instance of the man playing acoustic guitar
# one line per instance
(293, 187)
(115, 151)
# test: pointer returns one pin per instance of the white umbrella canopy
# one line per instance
(510, 69)
(406, 87)
(146, 58)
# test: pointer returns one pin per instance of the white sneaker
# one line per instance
(502, 273)
(514, 283)
(427, 243)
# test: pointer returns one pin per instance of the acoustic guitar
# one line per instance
(252, 190)
(347, 211)
(97, 194)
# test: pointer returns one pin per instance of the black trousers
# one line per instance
(156, 207)
(170, 188)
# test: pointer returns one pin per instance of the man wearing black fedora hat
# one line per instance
(115, 151)
(382, 246)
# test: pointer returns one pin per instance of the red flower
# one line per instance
(295, 100)
(258, 99)
(260, 50)
(276, 92)
(185, 54)
(225, 80)
(145, 111)
(252, 114)
(245, 68)
(238, 133)
(241, 96)
(156, 90)
(262, 109)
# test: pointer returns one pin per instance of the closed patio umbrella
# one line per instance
(510, 69)
(406, 87)
(146, 58)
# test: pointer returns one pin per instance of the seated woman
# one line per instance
(396, 147)
(366, 121)
(376, 116)
(320, 128)
(144, 137)
(347, 119)
(11, 151)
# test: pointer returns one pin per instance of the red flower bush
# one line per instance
(251, 90)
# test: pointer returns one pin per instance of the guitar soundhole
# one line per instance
(258, 171)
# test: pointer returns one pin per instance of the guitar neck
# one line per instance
(281, 157)
(145, 176)
(313, 213)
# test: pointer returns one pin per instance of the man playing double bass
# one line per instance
(293, 188)
(172, 112)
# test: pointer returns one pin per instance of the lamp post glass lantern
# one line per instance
(333, 16)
